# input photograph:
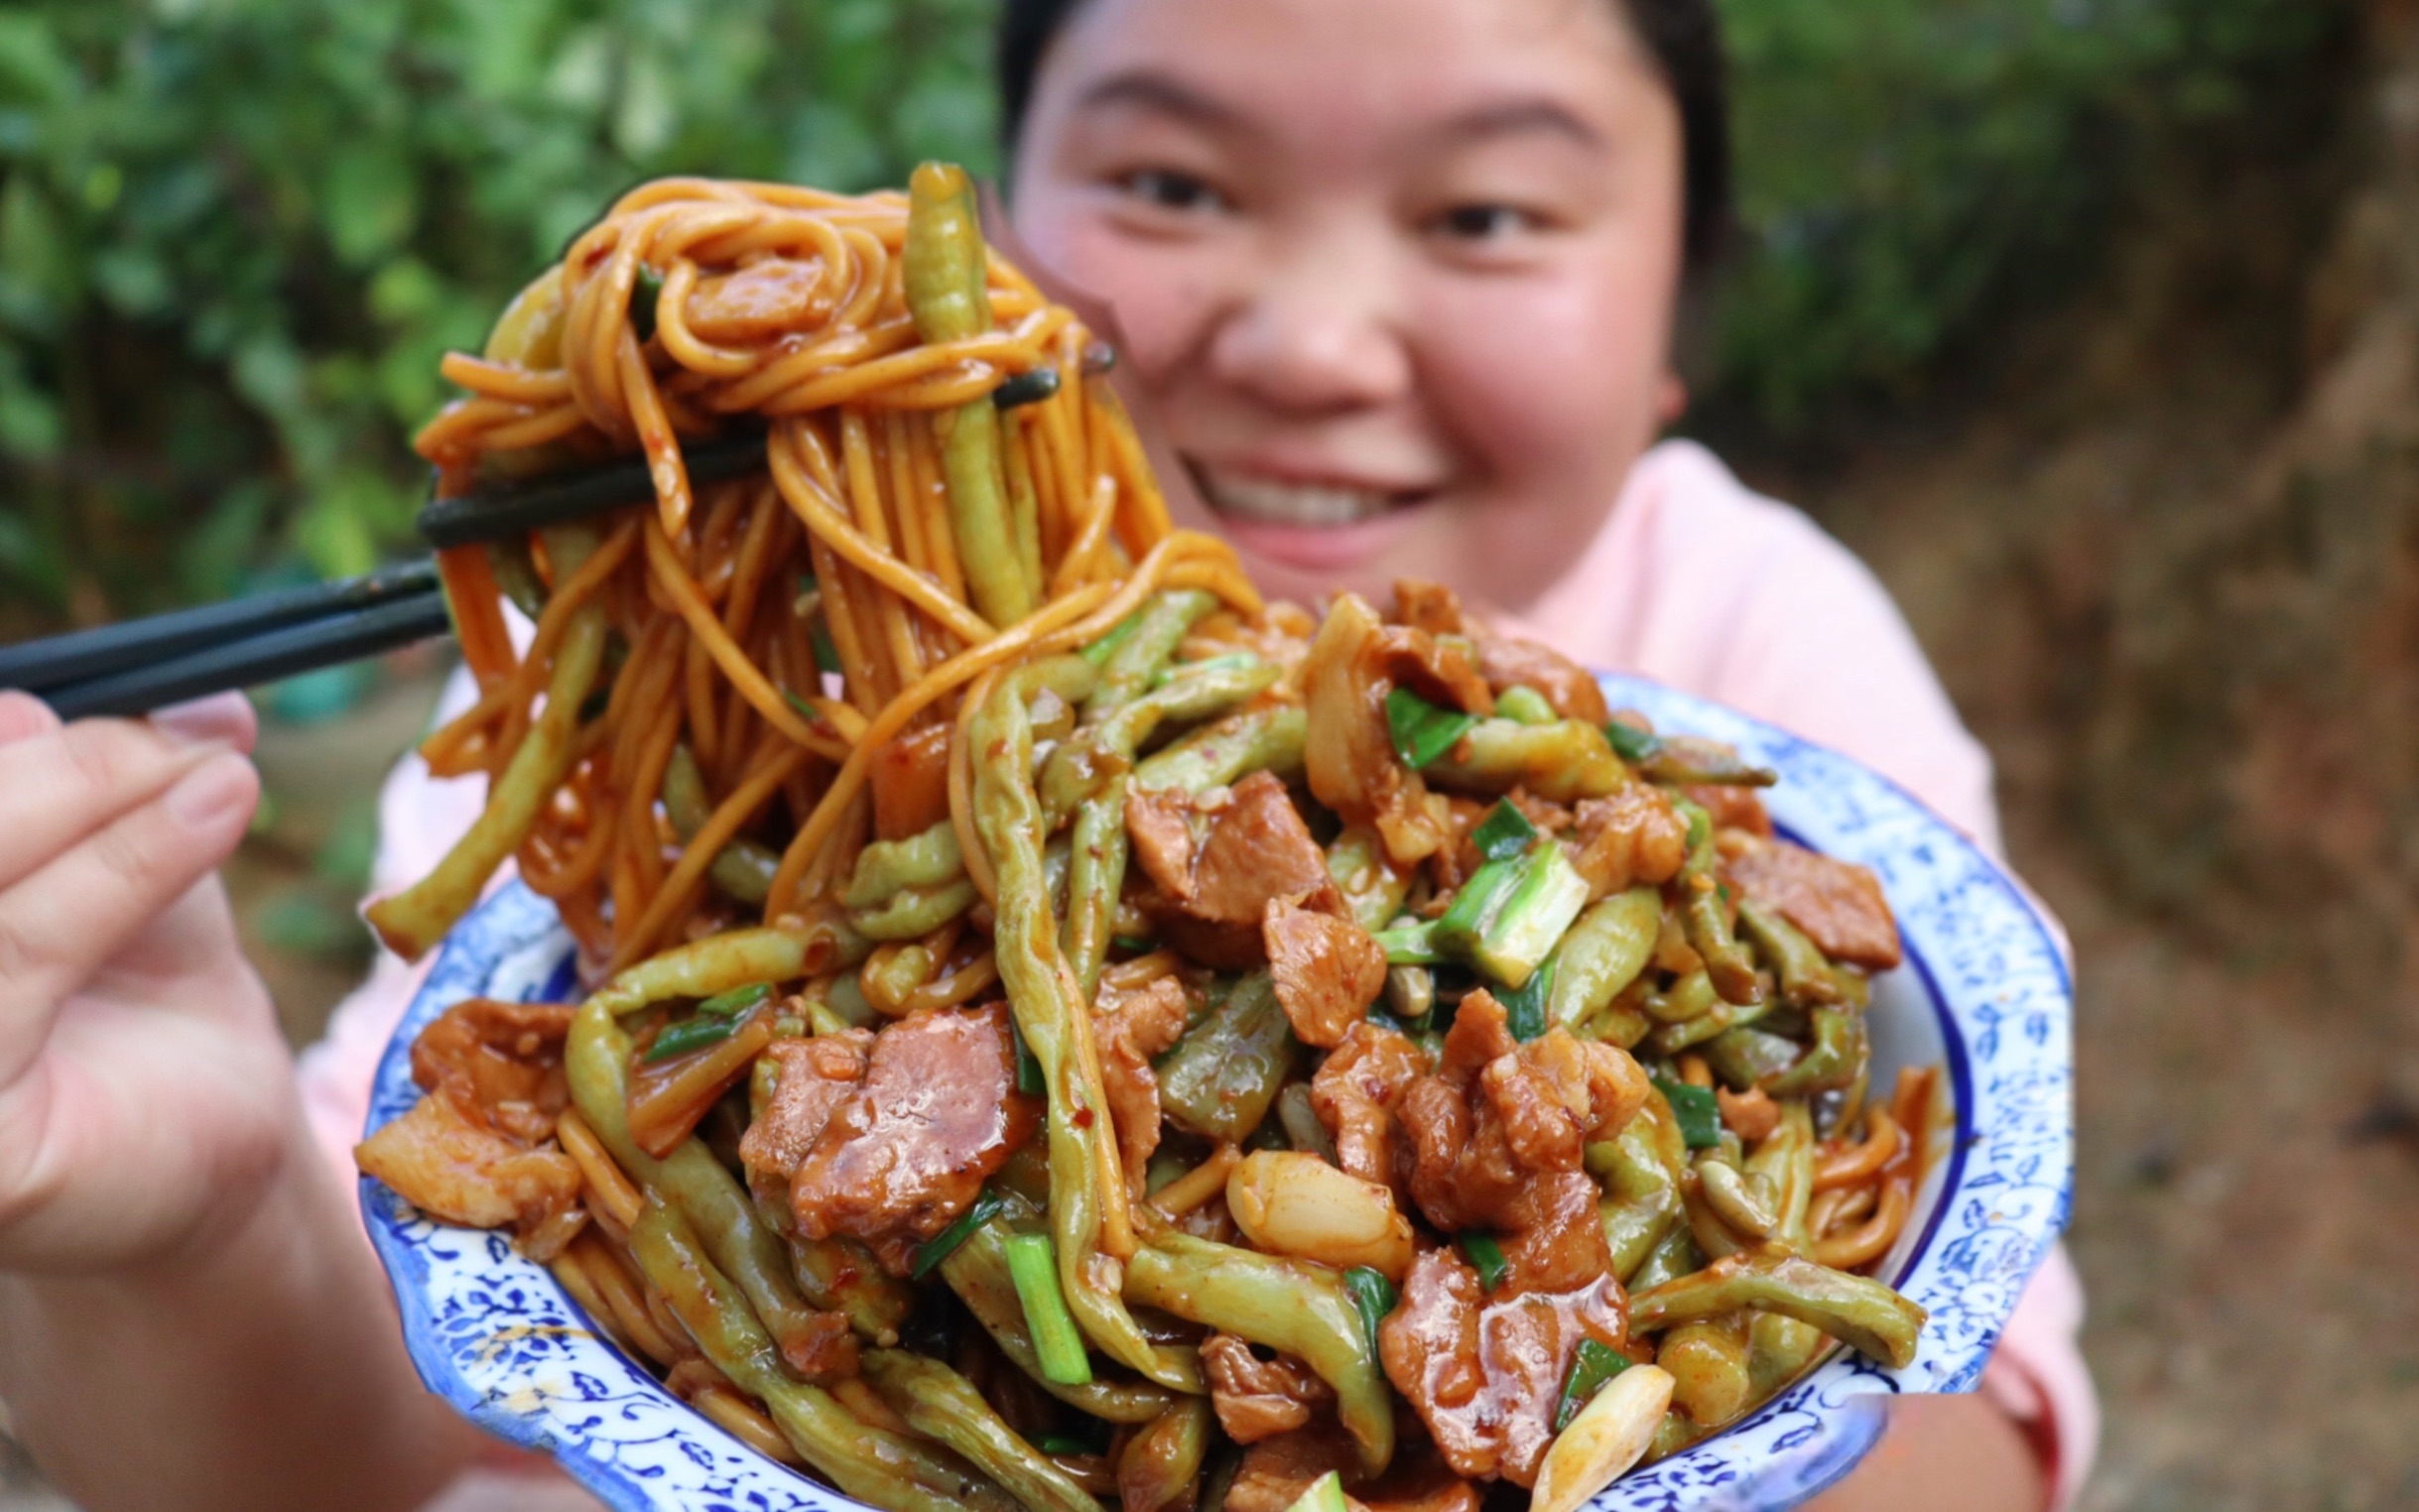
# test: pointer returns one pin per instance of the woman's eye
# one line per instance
(1164, 190)
(1484, 222)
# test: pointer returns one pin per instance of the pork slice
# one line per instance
(1328, 971)
(1836, 904)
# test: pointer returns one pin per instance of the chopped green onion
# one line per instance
(1594, 1365)
(1106, 646)
(1634, 744)
(1504, 833)
(1523, 705)
(1701, 824)
(737, 1000)
(1062, 1444)
(1033, 1264)
(1326, 1494)
(1510, 914)
(1031, 386)
(688, 1035)
(944, 1244)
(1409, 945)
(1524, 1006)
(1485, 1256)
(800, 706)
(1134, 942)
(1372, 1297)
(1028, 1065)
(1422, 732)
(827, 655)
(1699, 1114)
(643, 297)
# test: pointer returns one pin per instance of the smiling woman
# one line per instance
(1409, 318)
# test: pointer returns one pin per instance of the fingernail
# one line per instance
(219, 720)
(204, 798)
(22, 715)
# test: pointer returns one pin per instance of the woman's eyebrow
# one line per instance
(1522, 117)
(1148, 90)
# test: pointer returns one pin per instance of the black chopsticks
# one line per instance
(146, 663)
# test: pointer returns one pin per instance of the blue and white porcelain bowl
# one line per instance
(1984, 992)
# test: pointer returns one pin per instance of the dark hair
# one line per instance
(1682, 35)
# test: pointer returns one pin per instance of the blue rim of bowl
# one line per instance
(638, 1448)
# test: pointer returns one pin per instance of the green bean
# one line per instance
(1746, 1057)
(596, 1060)
(1672, 1434)
(1805, 975)
(1689, 761)
(1052, 1015)
(977, 1271)
(1718, 1020)
(1642, 1199)
(516, 572)
(1157, 629)
(416, 918)
(1836, 1058)
(948, 297)
(1561, 762)
(1267, 739)
(912, 913)
(1161, 1466)
(1603, 953)
(944, 1406)
(1703, 919)
(928, 860)
(1708, 1362)
(1291, 1305)
(1674, 1256)
(1220, 1078)
(1372, 886)
(1689, 999)
(1101, 845)
(703, 967)
(1779, 1348)
(1859, 1312)
(744, 869)
(843, 1276)
(880, 1469)
(1619, 1025)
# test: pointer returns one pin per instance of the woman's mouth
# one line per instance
(1320, 526)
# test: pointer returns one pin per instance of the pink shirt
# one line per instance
(1694, 581)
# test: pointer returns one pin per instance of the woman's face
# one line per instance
(1399, 275)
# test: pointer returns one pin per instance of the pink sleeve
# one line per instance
(2037, 1377)
(1698, 581)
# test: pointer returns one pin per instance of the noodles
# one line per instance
(930, 815)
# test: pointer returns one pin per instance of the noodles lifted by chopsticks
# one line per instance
(1056, 1020)
(691, 307)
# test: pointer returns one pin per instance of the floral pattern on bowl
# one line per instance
(1985, 992)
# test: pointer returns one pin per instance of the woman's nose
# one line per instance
(1317, 331)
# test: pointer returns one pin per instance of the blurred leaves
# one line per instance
(1905, 164)
(235, 235)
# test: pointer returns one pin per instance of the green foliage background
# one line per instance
(236, 234)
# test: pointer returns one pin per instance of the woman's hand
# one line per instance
(188, 1319)
(146, 1097)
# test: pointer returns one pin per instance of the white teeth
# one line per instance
(1295, 503)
